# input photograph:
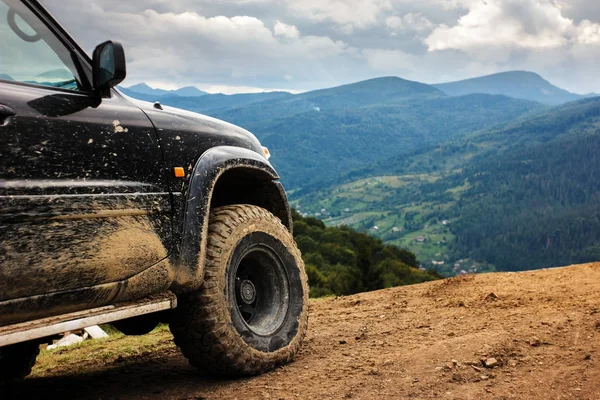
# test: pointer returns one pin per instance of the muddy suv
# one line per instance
(114, 210)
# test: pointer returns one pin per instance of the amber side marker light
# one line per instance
(266, 152)
(179, 172)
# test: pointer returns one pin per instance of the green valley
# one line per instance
(497, 199)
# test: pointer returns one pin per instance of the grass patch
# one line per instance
(88, 353)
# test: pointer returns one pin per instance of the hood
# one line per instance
(174, 123)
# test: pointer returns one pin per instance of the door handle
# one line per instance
(5, 113)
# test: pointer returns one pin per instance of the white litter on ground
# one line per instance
(96, 332)
(66, 341)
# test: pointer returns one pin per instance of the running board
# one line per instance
(45, 327)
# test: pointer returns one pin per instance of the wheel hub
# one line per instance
(247, 291)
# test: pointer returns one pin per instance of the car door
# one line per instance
(83, 193)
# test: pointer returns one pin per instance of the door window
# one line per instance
(30, 52)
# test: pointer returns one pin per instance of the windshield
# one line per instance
(30, 52)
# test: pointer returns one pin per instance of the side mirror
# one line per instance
(108, 65)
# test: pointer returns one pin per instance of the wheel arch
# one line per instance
(223, 175)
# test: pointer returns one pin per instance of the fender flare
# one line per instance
(205, 174)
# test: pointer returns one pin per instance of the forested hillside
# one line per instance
(313, 146)
(515, 197)
(342, 261)
(535, 207)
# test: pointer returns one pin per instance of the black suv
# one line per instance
(121, 211)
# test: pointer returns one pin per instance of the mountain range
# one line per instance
(142, 91)
(486, 172)
(517, 84)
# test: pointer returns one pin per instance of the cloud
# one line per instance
(532, 35)
(411, 21)
(356, 13)
(588, 32)
(493, 25)
(307, 44)
(287, 31)
(386, 60)
(347, 29)
(222, 51)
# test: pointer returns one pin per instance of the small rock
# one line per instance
(483, 377)
(535, 342)
(587, 357)
(387, 362)
(373, 371)
(454, 362)
(491, 362)
(343, 342)
(476, 368)
(491, 297)
(512, 363)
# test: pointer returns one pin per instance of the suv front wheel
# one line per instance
(251, 312)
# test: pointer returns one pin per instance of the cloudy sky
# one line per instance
(247, 45)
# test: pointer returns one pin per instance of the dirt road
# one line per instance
(539, 333)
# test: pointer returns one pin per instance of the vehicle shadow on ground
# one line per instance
(163, 377)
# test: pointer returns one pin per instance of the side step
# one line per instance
(44, 327)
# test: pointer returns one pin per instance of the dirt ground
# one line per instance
(539, 333)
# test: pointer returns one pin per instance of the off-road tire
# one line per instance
(17, 360)
(210, 326)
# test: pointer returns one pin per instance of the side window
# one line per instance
(29, 51)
